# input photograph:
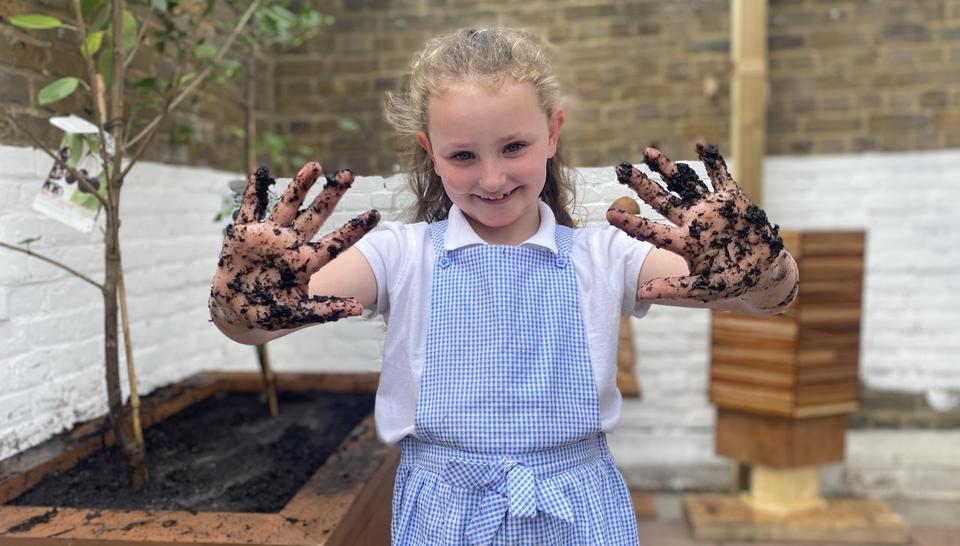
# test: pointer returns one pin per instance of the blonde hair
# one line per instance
(487, 56)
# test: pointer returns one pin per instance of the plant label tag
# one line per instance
(62, 196)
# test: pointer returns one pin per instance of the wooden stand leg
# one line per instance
(784, 491)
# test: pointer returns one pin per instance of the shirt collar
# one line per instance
(460, 234)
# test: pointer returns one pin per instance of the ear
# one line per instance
(424, 141)
(554, 123)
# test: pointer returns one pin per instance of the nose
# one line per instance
(492, 177)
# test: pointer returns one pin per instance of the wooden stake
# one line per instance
(249, 140)
(269, 381)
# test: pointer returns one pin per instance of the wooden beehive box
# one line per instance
(803, 363)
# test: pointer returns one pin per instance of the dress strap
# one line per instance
(438, 231)
(564, 239)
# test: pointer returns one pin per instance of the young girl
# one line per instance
(498, 378)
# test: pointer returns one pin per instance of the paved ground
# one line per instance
(933, 523)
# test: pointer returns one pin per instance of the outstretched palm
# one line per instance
(728, 243)
(265, 265)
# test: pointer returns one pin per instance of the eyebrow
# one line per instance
(468, 144)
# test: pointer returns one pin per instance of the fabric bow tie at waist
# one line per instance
(510, 487)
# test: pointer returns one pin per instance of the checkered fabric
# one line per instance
(508, 447)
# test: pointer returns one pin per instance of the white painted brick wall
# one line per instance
(50, 323)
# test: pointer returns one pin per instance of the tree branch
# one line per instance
(117, 97)
(168, 100)
(136, 45)
(195, 82)
(66, 268)
(82, 180)
(96, 84)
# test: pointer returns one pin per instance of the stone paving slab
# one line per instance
(934, 523)
(675, 533)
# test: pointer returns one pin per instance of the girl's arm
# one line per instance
(263, 287)
(723, 253)
(350, 275)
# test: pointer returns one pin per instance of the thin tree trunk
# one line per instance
(111, 254)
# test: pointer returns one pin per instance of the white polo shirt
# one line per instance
(606, 261)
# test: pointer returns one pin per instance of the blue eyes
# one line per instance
(511, 148)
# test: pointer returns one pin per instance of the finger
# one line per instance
(306, 310)
(255, 196)
(292, 199)
(680, 177)
(644, 229)
(335, 243)
(309, 221)
(716, 166)
(651, 192)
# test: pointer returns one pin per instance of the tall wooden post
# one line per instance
(749, 94)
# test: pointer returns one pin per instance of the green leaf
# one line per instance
(159, 5)
(58, 90)
(310, 18)
(92, 44)
(187, 77)
(101, 20)
(237, 132)
(348, 125)
(231, 67)
(205, 51)
(29, 240)
(129, 31)
(181, 134)
(93, 143)
(36, 21)
(329, 20)
(150, 82)
(76, 149)
(89, 6)
(105, 61)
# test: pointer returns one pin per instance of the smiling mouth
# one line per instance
(500, 197)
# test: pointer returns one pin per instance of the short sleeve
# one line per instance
(634, 252)
(383, 249)
(615, 260)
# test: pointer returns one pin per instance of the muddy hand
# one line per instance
(265, 266)
(728, 243)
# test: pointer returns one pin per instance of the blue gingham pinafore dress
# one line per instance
(508, 447)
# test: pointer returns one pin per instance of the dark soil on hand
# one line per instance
(225, 454)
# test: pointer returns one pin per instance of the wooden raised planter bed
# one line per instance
(346, 501)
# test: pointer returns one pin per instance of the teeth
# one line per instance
(496, 198)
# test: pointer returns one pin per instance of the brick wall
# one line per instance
(845, 76)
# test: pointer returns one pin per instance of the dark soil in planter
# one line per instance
(224, 454)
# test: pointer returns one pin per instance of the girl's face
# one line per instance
(490, 148)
